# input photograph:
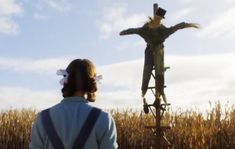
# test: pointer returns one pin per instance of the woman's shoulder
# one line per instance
(104, 116)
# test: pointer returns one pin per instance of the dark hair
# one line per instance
(81, 78)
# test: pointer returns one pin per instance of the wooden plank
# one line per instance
(155, 8)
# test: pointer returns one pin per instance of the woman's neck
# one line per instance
(79, 94)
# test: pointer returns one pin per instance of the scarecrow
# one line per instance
(155, 33)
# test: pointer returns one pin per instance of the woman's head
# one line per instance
(81, 78)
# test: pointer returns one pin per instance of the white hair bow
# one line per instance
(63, 72)
(98, 78)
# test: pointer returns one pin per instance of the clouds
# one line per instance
(52, 28)
(45, 8)
(116, 18)
(221, 27)
(119, 99)
(19, 97)
(9, 9)
(44, 66)
(58, 5)
(192, 81)
(215, 17)
(182, 14)
(122, 75)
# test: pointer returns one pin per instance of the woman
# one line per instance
(73, 123)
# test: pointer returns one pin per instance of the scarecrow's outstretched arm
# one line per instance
(130, 31)
(182, 26)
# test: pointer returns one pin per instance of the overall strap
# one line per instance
(50, 130)
(86, 128)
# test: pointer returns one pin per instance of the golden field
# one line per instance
(190, 129)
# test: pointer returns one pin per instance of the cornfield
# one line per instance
(15, 128)
(189, 129)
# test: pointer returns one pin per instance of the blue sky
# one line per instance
(38, 37)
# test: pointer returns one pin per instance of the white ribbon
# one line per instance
(65, 74)
(98, 78)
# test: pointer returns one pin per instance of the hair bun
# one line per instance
(91, 86)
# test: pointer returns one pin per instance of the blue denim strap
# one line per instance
(86, 128)
(81, 138)
(50, 130)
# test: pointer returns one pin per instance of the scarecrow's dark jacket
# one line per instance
(154, 37)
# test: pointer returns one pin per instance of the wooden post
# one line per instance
(155, 8)
(159, 87)
(158, 91)
(159, 66)
(157, 102)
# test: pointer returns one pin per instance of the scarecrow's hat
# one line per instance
(161, 12)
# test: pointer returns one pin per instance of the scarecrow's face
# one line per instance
(157, 19)
(155, 22)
